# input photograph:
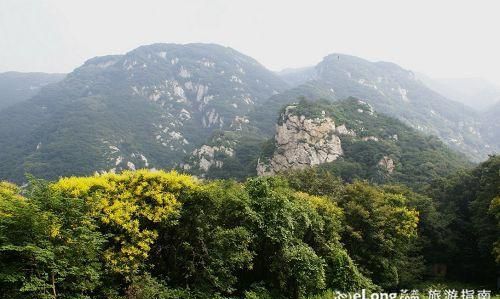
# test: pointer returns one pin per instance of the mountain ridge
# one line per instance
(399, 93)
(153, 106)
(145, 108)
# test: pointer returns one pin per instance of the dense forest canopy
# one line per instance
(154, 234)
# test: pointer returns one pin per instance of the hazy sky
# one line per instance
(440, 38)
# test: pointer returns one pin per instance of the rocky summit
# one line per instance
(302, 142)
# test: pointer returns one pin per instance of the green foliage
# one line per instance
(380, 230)
(298, 240)
(381, 223)
(468, 202)
(148, 287)
(495, 212)
(431, 232)
(259, 293)
(211, 242)
(49, 244)
(315, 181)
(151, 234)
(302, 270)
(280, 232)
(311, 109)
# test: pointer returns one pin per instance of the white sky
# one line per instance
(440, 38)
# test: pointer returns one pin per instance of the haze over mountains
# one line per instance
(477, 93)
(16, 87)
(158, 105)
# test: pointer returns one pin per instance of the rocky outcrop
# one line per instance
(387, 164)
(343, 130)
(302, 142)
(206, 156)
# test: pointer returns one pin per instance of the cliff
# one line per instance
(302, 142)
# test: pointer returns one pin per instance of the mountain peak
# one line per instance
(154, 103)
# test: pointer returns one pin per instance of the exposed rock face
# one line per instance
(302, 142)
(206, 157)
(342, 130)
(387, 164)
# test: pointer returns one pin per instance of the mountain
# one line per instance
(16, 87)
(297, 76)
(477, 93)
(198, 106)
(399, 93)
(491, 126)
(146, 108)
(348, 137)
(264, 115)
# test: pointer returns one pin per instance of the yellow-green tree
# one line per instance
(380, 228)
(130, 207)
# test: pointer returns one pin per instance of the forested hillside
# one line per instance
(372, 146)
(470, 205)
(146, 108)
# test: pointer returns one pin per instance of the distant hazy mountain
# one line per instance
(147, 108)
(477, 93)
(491, 125)
(16, 87)
(297, 76)
(397, 92)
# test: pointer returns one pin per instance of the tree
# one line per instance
(129, 207)
(495, 211)
(468, 201)
(297, 245)
(380, 225)
(49, 245)
(211, 241)
(380, 229)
